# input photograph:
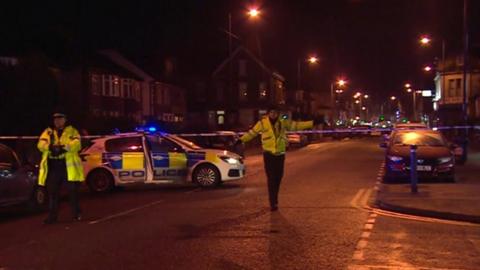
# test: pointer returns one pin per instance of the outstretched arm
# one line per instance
(252, 133)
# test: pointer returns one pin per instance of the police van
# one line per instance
(156, 158)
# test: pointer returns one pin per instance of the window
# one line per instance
(451, 88)
(129, 144)
(242, 67)
(125, 88)
(220, 117)
(106, 85)
(159, 144)
(262, 90)
(95, 84)
(458, 88)
(116, 87)
(242, 91)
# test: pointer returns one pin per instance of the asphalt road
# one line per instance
(321, 224)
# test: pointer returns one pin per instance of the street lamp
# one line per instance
(253, 12)
(340, 83)
(414, 102)
(427, 68)
(407, 85)
(392, 98)
(313, 59)
(425, 40)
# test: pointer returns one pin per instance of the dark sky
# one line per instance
(373, 43)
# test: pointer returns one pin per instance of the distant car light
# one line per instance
(395, 158)
(444, 160)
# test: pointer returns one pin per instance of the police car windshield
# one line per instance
(184, 143)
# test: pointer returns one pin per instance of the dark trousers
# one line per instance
(274, 169)
(57, 175)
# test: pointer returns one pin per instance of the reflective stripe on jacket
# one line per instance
(71, 140)
(274, 138)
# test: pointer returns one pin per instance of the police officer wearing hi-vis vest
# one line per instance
(60, 163)
(274, 143)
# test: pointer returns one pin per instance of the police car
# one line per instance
(158, 158)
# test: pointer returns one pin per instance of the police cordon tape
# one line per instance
(230, 133)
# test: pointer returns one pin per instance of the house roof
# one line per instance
(120, 60)
(252, 56)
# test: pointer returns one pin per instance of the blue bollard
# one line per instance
(413, 168)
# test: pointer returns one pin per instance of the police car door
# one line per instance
(169, 160)
(126, 157)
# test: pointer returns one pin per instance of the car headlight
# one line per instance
(444, 160)
(395, 158)
(230, 160)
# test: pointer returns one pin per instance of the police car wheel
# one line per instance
(206, 176)
(100, 181)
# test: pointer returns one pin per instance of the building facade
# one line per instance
(448, 100)
(238, 93)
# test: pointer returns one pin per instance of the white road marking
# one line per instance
(371, 220)
(357, 196)
(365, 197)
(388, 267)
(368, 226)
(125, 212)
(366, 234)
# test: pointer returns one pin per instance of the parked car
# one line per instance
(435, 156)
(157, 158)
(222, 140)
(297, 139)
(18, 181)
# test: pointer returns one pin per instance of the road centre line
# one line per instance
(124, 213)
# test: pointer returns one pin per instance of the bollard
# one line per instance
(413, 168)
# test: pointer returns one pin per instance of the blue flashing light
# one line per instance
(152, 129)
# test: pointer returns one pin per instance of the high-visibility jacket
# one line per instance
(274, 138)
(70, 138)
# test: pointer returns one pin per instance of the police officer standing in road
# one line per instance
(60, 163)
(274, 143)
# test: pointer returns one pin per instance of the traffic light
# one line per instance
(381, 118)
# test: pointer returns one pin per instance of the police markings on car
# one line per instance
(156, 158)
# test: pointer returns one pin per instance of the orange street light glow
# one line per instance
(341, 82)
(313, 59)
(409, 90)
(427, 68)
(366, 96)
(393, 97)
(407, 85)
(425, 40)
(253, 12)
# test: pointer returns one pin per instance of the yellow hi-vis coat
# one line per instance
(71, 140)
(274, 138)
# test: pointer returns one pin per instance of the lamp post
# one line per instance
(310, 60)
(340, 83)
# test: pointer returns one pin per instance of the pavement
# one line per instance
(454, 201)
(322, 223)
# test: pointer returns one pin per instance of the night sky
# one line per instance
(373, 43)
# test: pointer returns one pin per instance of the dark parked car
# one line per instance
(18, 181)
(223, 140)
(435, 156)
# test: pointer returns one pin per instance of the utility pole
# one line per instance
(465, 70)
